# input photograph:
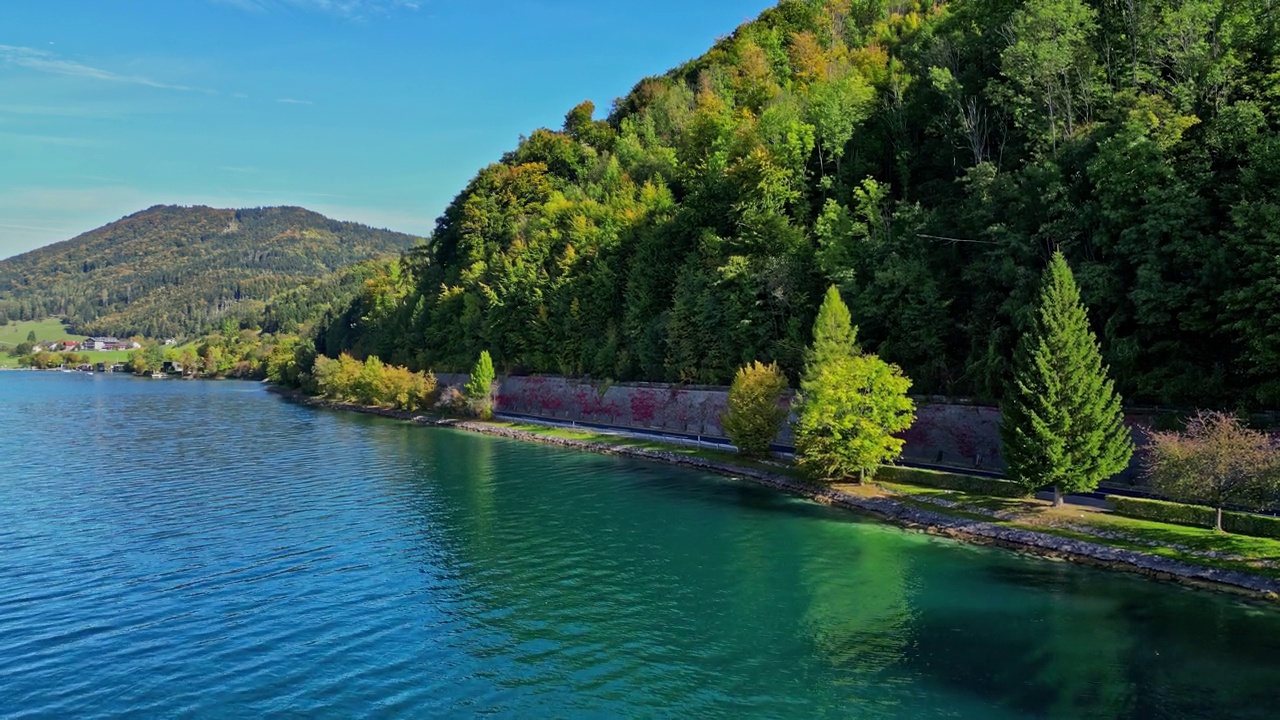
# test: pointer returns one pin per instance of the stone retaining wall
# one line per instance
(945, 433)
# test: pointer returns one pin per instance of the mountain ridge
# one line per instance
(172, 269)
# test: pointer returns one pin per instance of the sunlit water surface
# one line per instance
(202, 549)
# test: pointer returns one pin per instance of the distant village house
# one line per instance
(106, 343)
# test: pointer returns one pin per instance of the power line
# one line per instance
(956, 240)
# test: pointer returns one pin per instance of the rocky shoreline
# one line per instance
(898, 513)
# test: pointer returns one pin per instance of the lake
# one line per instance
(206, 549)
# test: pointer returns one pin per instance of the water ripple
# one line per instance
(205, 550)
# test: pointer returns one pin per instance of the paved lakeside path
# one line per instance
(889, 509)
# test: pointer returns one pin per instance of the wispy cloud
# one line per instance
(47, 62)
(250, 5)
(48, 111)
(291, 101)
(27, 138)
(354, 9)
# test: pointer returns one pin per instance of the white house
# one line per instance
(105, 343)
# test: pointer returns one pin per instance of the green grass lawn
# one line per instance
(108, 356)
(1147, 536)
(46, 330)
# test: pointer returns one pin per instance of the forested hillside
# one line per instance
(928, 158)
(182, 270)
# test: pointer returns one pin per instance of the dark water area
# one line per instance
(202, 549)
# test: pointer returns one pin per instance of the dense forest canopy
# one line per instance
(928, 158)
(170, 271)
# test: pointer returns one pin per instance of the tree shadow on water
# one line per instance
(724, 492)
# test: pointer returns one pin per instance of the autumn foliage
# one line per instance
(1216, 461)
(755, 411)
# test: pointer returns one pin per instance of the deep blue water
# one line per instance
(201, 549)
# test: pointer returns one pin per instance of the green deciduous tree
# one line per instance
(148, 359)
(1049, 64)
(850, 411)
(1062, 422)
(480, 386)
(369, 382)
(835, 109)
(338, 379)
(189, 361)
(850, 405)
(755, 413)
(282, 363)
(1216, 461)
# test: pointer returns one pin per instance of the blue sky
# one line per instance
(377, 111)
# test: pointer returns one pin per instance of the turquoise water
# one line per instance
(201, 549)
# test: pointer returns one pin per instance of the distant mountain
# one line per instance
(172, 270)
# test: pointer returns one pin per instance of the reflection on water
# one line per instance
(220, 553)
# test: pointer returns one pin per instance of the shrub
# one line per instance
(452, 401)
(425, 390)
(1194, 516)
(372, 383)
(975, 484)
(755, 414)
(407, 390)
(338, 379)
(1252, 525)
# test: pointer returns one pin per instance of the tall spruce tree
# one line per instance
(1062, 423)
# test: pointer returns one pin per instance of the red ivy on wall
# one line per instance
(643, 406)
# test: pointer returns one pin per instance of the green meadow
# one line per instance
(45, 330)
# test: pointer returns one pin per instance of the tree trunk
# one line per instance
(1217, 522)
(1057, 496)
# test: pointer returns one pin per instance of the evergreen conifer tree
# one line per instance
(480, 386)
(1062, 423)
(834, 335)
